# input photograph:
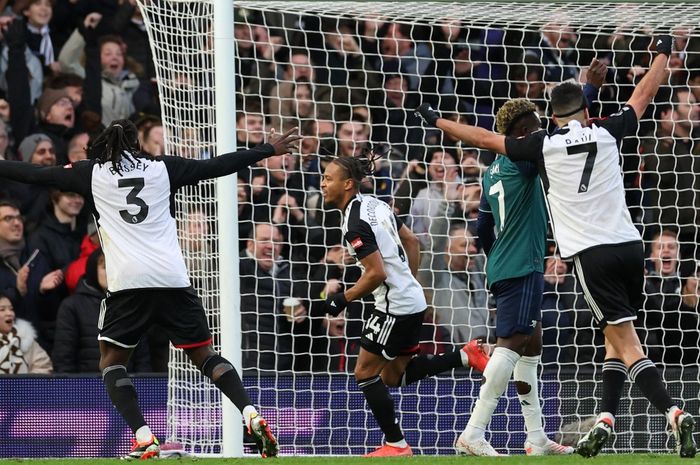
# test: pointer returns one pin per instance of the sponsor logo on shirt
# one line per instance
(355, 243)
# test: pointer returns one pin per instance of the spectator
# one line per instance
(250, 128)
(405, 49)
(19, 351)
(129, 23)
(460, 298)
(154, 141)
(5, 152)
(76, 269)
(670, 329)
(271, 337)
(34, 201)
(17, 56)
(557, 52)
(77, 147)
(353, 137)
(671, 178)
(25, 276)
(60, 234)
(76, 348)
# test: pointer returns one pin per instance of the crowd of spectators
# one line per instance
(68, 67)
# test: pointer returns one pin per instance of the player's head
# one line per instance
(517, 117)
(568, 103)
(120, 136)
(342, 178)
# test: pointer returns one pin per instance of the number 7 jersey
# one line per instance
(580, 169)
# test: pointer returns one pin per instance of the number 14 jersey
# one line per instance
(580, 170)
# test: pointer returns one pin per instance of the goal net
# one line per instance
(349, 75)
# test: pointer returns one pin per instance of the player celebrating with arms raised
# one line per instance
(579, 166)
(132, 195)
(389, 253)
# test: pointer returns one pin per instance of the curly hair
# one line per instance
(512, 111)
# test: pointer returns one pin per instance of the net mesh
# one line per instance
(348, 74)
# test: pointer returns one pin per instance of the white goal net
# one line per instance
(349, 75)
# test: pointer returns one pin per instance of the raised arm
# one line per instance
(185, 172)
(471, 135)
(646, 90)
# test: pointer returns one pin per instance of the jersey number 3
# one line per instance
(132, 198)
(590, 148)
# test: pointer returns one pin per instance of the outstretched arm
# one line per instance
(646, 90)
(185, 172)
(72, 178)
(470, 135)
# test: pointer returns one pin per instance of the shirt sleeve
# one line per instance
(185, 171)
(362, 239)
(76, 177)
(525, 148)
(620, 124)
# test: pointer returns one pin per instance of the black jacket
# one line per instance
(59, 244)
(76, 349)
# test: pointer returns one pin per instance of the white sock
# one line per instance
(497, 374)
(606, 416)
(465, 359)
(143, 434)
(400, 444)
(248, 410)
(526, 372)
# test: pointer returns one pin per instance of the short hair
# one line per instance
(11, 203)
(63, 80)
(567, 99)
(511, 112)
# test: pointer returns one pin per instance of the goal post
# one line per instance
(349, 73)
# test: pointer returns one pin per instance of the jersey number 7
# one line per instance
(591, 148)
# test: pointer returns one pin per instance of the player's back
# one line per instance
(136, 225)
(514, 194)
(586, 195)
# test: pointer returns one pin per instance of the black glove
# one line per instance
(664, 45)
(427, 114)
(16, 34)
(336, 303)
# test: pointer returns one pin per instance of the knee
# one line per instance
(215, 367)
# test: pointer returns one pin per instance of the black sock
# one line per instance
(382, 406)
(644, 374)
(614, 377)
(123, 395)
(423, 366)
(225, 377)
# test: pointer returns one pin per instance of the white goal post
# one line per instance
(350, 72)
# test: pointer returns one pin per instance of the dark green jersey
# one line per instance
(513, 194)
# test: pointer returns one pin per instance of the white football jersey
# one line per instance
(370, 225)
(580, 168)
(137, 229)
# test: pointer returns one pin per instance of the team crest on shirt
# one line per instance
(355, 243)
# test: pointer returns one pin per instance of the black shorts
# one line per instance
(125, 317)
(612, 278)
(392, 335)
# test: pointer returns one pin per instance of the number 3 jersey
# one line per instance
(135, 209)
(369, 225)
(580, 170)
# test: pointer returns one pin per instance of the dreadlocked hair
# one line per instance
(357, 167)
(119, 140)
(510, 112)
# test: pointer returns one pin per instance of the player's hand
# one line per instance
(427, 114)
(336, 303)
(664, 45)
(596, 74)
(284, 143)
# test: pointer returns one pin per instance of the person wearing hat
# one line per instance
(56, 120)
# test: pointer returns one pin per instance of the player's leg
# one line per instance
(517, 300)
(525, 376)
(406, 370)
(643, 372)
(188, 329)
(386, 339)
(225, 377)
(123, 319)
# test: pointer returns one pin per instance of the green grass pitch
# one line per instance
(617, 459)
